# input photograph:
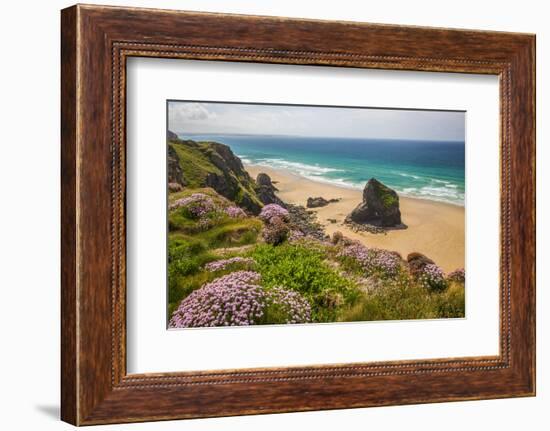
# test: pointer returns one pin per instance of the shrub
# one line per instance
(286, 306)
(220, 265)
(273, 210)
(180, 248)
(432, 277)
(371, 261)
(451, 303)
(232, 233)
(458, 275)
(196, 206)
(232, 300)
(237, 300)
(276, 231)
(304, 270)
(417, 262)
(186, 257)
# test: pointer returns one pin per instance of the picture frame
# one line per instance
(96, 42)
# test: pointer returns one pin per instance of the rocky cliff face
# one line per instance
(211, 164)
(380, 206)
(175, 173)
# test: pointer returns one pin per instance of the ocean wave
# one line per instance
(340, 182)
(416, 177)
(296, 167)
(445, 193)
(424, 187)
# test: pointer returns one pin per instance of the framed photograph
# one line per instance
(264, 215)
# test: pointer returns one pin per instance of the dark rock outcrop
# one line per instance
(380, 206)
(174, 187)
(265, 180)
(305, 221)
(417, 262)
(265, 190)
(171, 136)
(175, 173)
(233, 182)
(223, 158)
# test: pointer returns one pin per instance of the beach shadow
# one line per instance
(51, 411)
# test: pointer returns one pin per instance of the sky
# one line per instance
(228, 118)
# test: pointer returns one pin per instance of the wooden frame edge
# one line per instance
(69, 305)
(86, 401)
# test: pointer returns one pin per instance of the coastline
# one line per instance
(436, 229)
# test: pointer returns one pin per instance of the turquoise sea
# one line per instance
(423, 169)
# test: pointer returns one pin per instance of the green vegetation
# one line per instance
(340, 282)
(387, 196)
(212, 164)
(269, 262)
(305, 269)
(194, 163)
(191, 245)
(404, 299)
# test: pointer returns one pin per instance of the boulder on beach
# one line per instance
(319, 201)
(380, 206)
(316, 202)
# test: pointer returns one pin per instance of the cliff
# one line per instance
(211, 164)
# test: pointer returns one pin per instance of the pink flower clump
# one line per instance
(235, 212)
(198, 204)
(273, 210)
(372, 259)
(457, 275)
(433, 277)
(296, 235)
(222, 264)
(237, 299)
(293, 305)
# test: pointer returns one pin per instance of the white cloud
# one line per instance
(212, 117)
(182, 114)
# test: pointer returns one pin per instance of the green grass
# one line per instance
(403, 299)
(195, 165)
(305, 270)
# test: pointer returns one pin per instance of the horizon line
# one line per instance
(313, 136)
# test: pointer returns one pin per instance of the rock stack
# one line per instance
(265, 190)
(380, 207)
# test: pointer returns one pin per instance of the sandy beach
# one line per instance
(434, 229)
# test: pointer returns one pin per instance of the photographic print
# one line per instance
(302, 214)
